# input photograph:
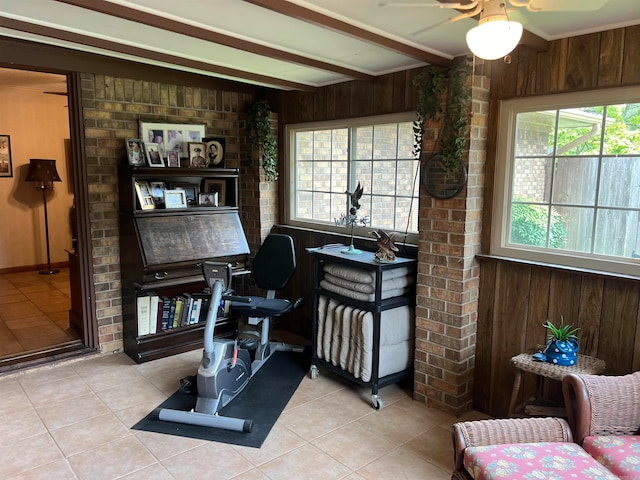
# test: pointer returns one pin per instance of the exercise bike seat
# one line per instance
(260, 307)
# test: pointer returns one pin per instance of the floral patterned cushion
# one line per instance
(533, 461)
(620, 454)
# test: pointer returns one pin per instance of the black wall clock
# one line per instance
(439, 182)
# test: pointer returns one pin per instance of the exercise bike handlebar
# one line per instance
(212, 315)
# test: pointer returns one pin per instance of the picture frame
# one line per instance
(143, 191)
(157, 192)
(6, 164)
(216, 186)
(172, 136)
(154, 157)
(196, 155)
(191, 191)
(214, 148)
(208, 199)
(173, 159)
(175, 199)
(136, 152)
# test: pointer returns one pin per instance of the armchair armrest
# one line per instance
(511, 430)
(602, 405)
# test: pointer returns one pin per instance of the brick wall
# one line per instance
(113, 108)
(448, 275)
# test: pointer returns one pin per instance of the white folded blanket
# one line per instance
(363, 276)
(363, 297)
(390, 284)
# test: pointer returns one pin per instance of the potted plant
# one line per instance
(562, 344)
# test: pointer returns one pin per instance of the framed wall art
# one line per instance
(6, 166)
(172, 137)
(216, 186)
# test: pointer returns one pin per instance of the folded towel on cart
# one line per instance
(364, 276)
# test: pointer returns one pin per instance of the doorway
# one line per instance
(37, 321)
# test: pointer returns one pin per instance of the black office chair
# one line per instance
(272, 268)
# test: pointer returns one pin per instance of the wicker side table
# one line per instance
(524, 362)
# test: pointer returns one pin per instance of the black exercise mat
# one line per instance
(262, 401)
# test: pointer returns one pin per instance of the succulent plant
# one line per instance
(562, 332)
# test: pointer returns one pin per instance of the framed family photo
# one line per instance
(135, 152)
(154, 157)
(218, 187)
(172, 137)
(6, 166)
(214, 151)
(143, 190)
(175, 199)
(196, 155)
(191, 191)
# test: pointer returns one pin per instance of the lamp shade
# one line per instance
(494, 39)
(41, 170)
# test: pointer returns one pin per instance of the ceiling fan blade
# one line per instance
(557, 6)
(418, 5)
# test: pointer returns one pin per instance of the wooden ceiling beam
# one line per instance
(167, 24)
(310, 16)
(110, 46)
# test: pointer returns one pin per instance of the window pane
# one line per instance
(364, 143)
(534, 133)
(622, 130)
(304, 172)
(322, 207)
(304, 146)
(617, 233)
(406, 173)
(322, 145)
(613, 191)
(363, 174)
(339, 176)
(402, 212)
(573, 227)
(321, 176)
(383, 212)
(385, 144)
(575, 181)
(384, 178)
(340, 144)
(405, 140)
(529, 224)
(304, 205)
(532, 179)
(579, 131)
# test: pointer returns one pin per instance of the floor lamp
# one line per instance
(44, 173)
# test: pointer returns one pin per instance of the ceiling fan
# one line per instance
(496, 36)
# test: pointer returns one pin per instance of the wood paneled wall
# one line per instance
(516, 298)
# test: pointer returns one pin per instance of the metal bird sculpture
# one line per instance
(354, 198)
(386, 245)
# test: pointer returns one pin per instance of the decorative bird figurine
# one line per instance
(386, 245)
(354, 198)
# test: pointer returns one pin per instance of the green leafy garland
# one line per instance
(432, 83)
(260, 134)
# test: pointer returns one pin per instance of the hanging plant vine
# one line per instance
(432, 83)
(260, 134)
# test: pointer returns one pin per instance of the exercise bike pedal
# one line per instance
(189, 385)
(248, 343)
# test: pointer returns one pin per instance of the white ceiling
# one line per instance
(242, 40)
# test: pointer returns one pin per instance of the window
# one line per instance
(331, 158)
(568, 181)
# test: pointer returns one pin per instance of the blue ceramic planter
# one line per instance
(562, 353)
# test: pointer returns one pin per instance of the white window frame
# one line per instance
(500, 245)
(290, 193)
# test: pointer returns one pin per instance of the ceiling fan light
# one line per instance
(494, 39)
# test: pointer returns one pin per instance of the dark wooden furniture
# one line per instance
(161, 251)
(364, 261)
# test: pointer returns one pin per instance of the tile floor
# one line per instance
(34, 311)
(72, 420)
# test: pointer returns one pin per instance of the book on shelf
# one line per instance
(143, 311)
(154, 302)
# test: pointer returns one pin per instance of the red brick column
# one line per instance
(448, 276)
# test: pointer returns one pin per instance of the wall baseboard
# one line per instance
(30, 268)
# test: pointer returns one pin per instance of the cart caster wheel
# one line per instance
(377, 402)
(314, 372)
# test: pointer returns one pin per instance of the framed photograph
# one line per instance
(216, 186)
(173, 159)
(208, 199)
(191, 191)
(154, 157)
(196, 155)
(172, 137)
(135, 152)
(175, 199)
(214, 151)
(157, 192)
(143, 190)
(6, 166)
